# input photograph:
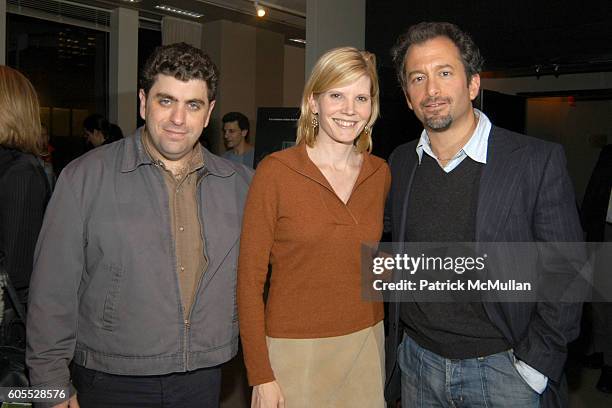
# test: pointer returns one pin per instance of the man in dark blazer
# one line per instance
(467, 180)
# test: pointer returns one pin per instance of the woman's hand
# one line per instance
(267, 395)
(71, 403)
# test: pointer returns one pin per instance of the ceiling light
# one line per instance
(298, 40)
(259, 10)
(179, 11)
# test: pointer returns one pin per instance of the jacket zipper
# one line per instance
(185, 337)
(187, 322)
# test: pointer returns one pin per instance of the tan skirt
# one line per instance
(342, 371)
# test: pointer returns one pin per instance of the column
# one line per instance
(123, 69)
(331, 24)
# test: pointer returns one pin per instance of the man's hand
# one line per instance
(71, 403)
(268, 395)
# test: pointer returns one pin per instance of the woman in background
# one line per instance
(100, 131)
(317, 344)
(24, 190)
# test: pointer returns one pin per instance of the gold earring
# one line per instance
(315, 121)
(366, 130)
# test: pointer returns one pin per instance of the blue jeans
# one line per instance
(430, 380)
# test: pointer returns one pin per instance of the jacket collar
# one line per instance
(135, 155)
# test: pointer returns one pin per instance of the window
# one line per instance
(68, 66)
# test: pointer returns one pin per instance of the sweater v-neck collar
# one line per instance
(297, 159)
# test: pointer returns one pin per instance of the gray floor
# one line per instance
(583, 393)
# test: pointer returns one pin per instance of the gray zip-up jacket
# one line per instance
(104, 290)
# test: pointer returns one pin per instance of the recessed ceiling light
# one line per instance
(179, 11)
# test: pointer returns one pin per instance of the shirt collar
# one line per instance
(195, 162)
(134, 155)
(475, 148)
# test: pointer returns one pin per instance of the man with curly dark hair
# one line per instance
(132, 299)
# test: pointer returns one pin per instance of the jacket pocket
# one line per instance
(111, 301)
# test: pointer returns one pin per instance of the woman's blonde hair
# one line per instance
(19, 113)
(337, 68)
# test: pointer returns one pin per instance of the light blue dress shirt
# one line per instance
(476, 149)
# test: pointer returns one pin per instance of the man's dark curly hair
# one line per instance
(425, 31)
(243, 121)
(183, 62)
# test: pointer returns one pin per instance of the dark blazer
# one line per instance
(525, 195)
(24, 192)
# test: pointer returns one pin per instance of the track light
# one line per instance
(259, 10)
(176, 10)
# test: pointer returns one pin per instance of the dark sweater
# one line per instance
(24, 194)
(442, 208)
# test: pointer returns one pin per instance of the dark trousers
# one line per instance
(194, 389)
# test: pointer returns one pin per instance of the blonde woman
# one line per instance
(316, 343)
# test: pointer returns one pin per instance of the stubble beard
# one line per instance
(439, 123)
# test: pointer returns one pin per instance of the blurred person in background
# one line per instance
(46, 159)
(99, 131)
(235, 132)
(24, 190)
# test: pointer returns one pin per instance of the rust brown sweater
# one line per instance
(294, 221)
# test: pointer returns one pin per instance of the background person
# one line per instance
(46, 159)
(24, 190)
(99, 131)
(235, 133)
(317, 344)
